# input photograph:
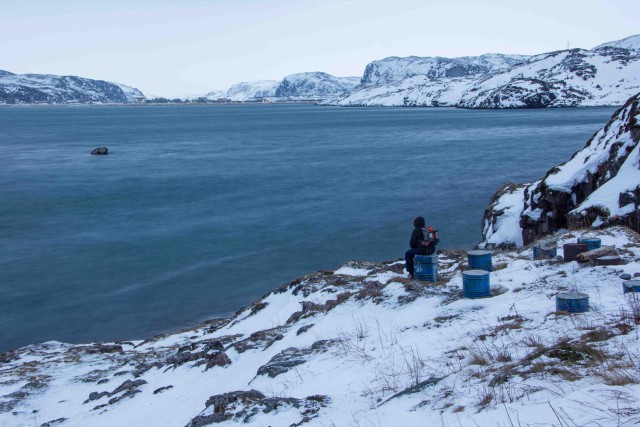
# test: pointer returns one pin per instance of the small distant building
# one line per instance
(140, 98)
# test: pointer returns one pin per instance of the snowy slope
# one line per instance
(630, 43)
(131, 93)
(52, 89)
(216, 94)
(394, 69)
(599, 185)
(315, 85)
(363, 345)
(605, 75)
(245, 91)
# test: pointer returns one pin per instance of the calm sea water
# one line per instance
(199, 210)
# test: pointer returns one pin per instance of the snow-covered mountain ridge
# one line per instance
(363, 345)
(605, 75)
(52, 89)
(598, 186)
(300, 86)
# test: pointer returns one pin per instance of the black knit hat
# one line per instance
(418, 222)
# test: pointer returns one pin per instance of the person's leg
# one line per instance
(408, 258)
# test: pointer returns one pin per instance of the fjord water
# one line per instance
(199, 210)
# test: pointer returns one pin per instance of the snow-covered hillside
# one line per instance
(394, 69)
(51, 89)
(599, 185)
(605, 75)
(300, 86)
(364, 345)
(630, 43)
(245, 91)
(316, 85)
(216, 94)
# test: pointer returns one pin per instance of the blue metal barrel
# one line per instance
(479, 260)
(475, 283)
(425, 267)
(572, 302)
(631, 286)
(591, 242)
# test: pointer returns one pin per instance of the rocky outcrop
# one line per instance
(597, 187)
(100, 151)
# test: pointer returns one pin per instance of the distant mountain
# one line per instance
(315, 85)
(52, 89)
(394, 69)
(630, 43)
(605, 75)
(245, 91)
(301, 86)
(215, 94)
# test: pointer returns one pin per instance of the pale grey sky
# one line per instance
(172, 47)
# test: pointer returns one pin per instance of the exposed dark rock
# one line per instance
(218, 358)
(100, 151)
(260, 340)
(416, 388)
(126, 395)
(304, 329)
(292, 357)
(53, 423)
(625, 276)
(101, 349)
(221, 401)
(162, 389)
(215, 324)
(205, 420)
(8, 356)
(128, 385)
(37, 383)
(95, 396)
(257, 307)
(243, 405)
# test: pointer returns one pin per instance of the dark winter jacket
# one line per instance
(416, 240)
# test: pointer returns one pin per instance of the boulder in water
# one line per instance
(100, 151)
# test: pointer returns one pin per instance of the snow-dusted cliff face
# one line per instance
(394, 69)
(605, 75)
(362, 345)
(246, 91)
(51, 89)
(301, 86)
(599, 186)
(315, 85)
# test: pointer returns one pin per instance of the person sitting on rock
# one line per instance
(421, 243)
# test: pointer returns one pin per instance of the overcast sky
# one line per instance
(173, 47)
